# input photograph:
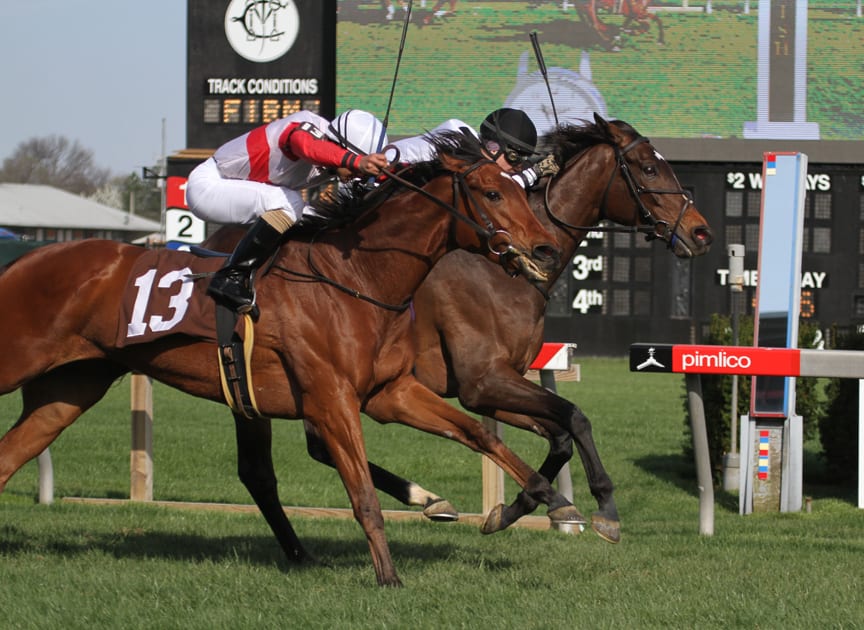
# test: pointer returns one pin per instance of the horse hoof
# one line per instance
(568, 528)
(494, 520)
(440, 511)
(607, 529)
(567, 515)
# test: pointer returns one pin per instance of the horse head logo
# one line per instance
(261, 30)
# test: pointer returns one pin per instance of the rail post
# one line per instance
(46, 478)
(141, 456)
(702, 456)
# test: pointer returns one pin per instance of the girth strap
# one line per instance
(235, 355)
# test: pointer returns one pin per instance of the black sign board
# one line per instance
(251, 62)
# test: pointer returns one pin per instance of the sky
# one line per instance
(103, 73)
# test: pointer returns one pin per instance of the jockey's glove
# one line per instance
(546, 166)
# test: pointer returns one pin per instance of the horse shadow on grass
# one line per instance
(259, 550)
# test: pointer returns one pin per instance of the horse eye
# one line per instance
(493, 195)
(650, 170)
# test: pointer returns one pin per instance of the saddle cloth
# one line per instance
(165, 296)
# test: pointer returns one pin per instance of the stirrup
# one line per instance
(233, 290)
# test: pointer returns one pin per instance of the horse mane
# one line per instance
(359, 197)
(568, 140)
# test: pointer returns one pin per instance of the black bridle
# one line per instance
(651, 226)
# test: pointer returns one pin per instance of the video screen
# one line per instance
(678, 70)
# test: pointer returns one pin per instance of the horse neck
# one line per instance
(575, 197)
(388, 252)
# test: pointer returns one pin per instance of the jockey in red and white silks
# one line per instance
(256, 178)
(263, 169)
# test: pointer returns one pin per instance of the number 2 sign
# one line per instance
(180, 224)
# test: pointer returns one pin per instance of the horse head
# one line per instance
(635, 185)
(492, 210)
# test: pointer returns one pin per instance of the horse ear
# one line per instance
(603, 125)
(451, 163)
(612, 132)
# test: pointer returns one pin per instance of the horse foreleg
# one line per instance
(528, 404)
(605, 521)
(51, 402)
(255, 469)
(661, 39)
(408, 402)
(560, 452)
(406, 492)
(339, 428)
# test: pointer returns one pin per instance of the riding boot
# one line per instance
(232, 285)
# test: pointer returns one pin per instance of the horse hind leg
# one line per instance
(407, 492)
(255, 469)
(51, 402)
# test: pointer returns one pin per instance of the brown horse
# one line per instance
(61, 313)
(637, 17)
(478, 349)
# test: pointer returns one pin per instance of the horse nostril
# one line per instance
(703, 235)
(547, 253)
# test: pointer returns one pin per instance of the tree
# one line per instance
(55, 161)
(145, 192)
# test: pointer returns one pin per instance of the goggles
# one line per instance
(511, 156)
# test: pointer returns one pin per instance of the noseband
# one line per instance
(652, 227)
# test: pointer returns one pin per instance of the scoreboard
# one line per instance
(251, 62)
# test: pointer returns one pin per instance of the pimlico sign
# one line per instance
(702, 359)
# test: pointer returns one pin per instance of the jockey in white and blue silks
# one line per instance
(508, 135)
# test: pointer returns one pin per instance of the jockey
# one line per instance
(509, 137)
(257, 177)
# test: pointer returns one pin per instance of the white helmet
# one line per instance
(358, 131)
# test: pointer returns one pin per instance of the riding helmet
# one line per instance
(358, 131)
(510, 128)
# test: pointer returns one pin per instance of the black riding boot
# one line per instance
(232, 284)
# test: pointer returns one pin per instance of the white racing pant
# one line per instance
(211, 197)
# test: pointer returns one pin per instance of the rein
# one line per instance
(488, 232)
(654, 228)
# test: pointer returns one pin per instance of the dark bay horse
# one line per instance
(61, 313)
(479, 348)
